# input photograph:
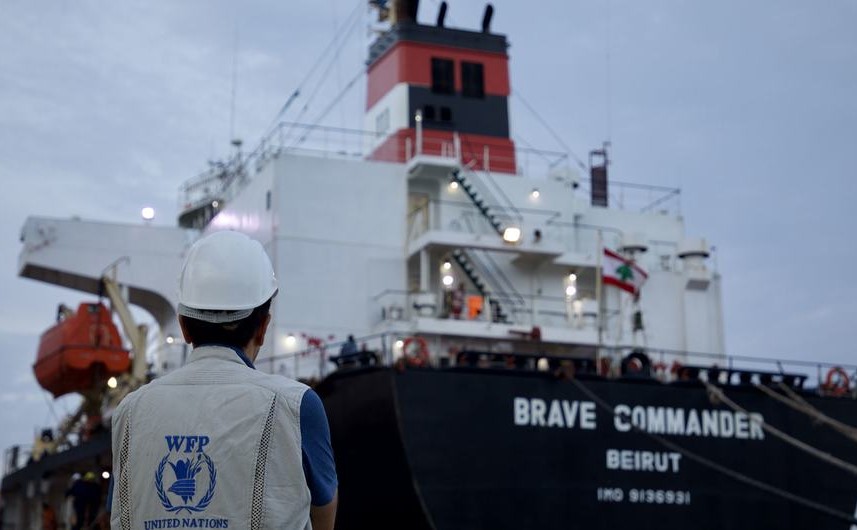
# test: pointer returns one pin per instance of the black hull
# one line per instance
(441, 449)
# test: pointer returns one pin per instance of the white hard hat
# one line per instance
(225, 276)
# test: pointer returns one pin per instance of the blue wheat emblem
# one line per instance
(185, 484)
(186, 472)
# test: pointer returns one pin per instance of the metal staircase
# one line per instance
(498, 313)
(478, 201)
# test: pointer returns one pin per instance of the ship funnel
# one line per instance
(441, 15)
(598, 162)
(404, 11)
(486, 18)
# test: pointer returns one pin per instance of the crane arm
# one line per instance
(135, 334)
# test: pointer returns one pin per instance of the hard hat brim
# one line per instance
(214, 317)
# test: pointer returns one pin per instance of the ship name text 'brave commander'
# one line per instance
(570, 414)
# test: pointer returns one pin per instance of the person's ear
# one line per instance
(185, 334)
(262, 330)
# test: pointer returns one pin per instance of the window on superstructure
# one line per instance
(442, 76)
(472, 80)
(428, 113)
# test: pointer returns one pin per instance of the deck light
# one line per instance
(105, 475)
(512, 234)
(453, 185)
(447, 280)
(170, 339)
(570, 283)
(148, 213)
(535, 193)
(399, 344)
(215, 204)
(291, 340)
(446, 266)
(112, 382)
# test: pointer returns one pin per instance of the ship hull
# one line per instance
(473, 448)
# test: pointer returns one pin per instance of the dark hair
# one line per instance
(236, 334)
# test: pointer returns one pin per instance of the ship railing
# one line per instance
(635, 197)
(680, 365)
(538, 226)
(462, 216)
(687, 368)
(526, 310)
(312, 358)
(320, 140)
(220, 182)
(542, 228)
(497, 156)
(225, 178)
(16, 457)
(540, 165)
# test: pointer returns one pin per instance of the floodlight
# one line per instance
(512, 234)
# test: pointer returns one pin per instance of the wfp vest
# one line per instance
(213, 444)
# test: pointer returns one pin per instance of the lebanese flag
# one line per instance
(622, 273)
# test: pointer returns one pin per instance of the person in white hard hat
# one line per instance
(216, 444)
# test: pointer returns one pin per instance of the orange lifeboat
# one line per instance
(81, 351)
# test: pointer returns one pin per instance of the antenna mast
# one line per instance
(232, 137)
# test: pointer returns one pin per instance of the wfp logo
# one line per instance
(191, 476)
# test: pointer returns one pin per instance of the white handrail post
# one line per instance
(418, 118)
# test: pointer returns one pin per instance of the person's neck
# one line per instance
(251, 351)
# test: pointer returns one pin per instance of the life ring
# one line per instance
(837, 382)
(637, 364)
(420, 357)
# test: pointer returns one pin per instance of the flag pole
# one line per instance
(599, 287)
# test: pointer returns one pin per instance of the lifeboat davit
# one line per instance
(81, 351)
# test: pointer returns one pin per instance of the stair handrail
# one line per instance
(472, 185)
(503, 195)
(511, 206)
(519, 300)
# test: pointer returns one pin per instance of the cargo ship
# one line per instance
(537, 345)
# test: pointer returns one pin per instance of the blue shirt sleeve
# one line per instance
(318, 463)
(109, 494)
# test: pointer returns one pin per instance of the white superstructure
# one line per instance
(360, 248)
(441, 228)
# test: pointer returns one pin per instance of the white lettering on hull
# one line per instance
(557, 413)
(680, 422)
(628, 460)
(669, 421)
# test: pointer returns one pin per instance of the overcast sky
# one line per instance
(749, 107)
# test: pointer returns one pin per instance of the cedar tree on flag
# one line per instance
(622, 273)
